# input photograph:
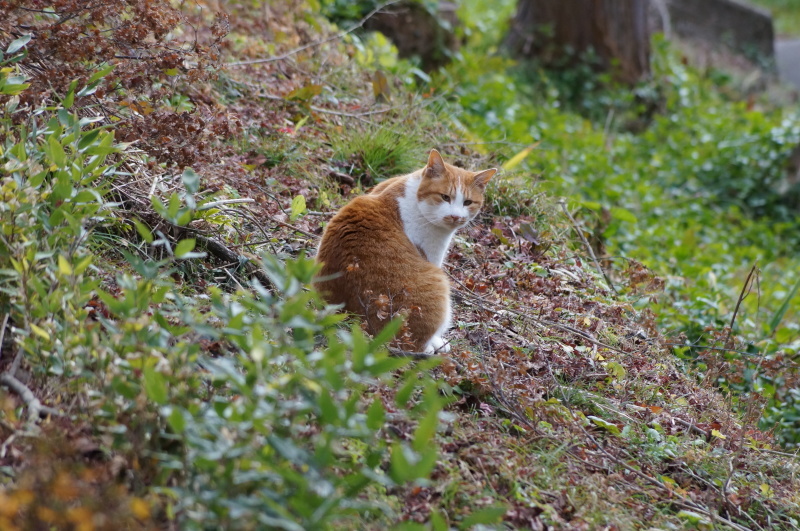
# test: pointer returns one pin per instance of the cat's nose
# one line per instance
(454, 220)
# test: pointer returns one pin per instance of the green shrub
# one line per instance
(56, 169)
(277, 422)
(289, 437)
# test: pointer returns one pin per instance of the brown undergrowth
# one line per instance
(567, 408)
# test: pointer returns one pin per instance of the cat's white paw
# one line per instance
(437, 344)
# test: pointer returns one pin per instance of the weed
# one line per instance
(375, 153)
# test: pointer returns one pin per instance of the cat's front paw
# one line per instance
(437, 345)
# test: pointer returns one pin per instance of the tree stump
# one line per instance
(417, 32)
(557, 32)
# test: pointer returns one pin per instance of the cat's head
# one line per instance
(450, 197)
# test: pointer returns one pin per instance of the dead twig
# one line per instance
(15, 364)
(299, 49)
(588, 246)
(249, 217)
(3, 334)
(215, 204)
(795, 455)
(742, 296)
(233, 278)
(251, 244)
(684, 501)
(396, 352)
(358, 115)
(468, 293)
(35, 407)
(223, 253)
(283, 223)
(296, 229)
(342, 177)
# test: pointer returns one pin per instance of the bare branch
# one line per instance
(3, 334)
(588, 247)
(35, 407)
(222, 252)
(215, 204)
(530, 318)
(396, 352)
(317, 43)
(742, 296)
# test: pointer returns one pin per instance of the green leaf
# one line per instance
(404, 393)
(696, 519)
(70, 97)
(305, 93)
(174, 206)
(11, 88)
(329, 413)
(143, 231)
(18, 43)
(400, 469)
(184, 218)
(597, 421)
(176, 420)
(184, 247)
(88, 139)
(158, 206)
(103, 72)
(56, 152)
(616, 370)
(191, 180)
(425, 464)
(426, 429)
(488, 516)
(623, 214)
(155, 385)
(375, 415)
(438, 522)
(784, 307)
(41, 332)
(592, 205)
(82, 264)
(517, 159)
(64, 267)
(298, 207)
(387, 333)
(386, 365)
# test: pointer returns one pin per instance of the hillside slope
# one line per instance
(167, 367)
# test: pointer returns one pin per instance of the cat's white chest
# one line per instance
(432, 239)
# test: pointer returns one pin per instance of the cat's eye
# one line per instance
(468, 202)
(446, 198)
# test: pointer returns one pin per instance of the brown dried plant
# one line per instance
(156, 50)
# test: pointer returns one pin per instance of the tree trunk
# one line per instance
(557, 32)
(417, 31)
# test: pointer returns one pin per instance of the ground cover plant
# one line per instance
(167, 366)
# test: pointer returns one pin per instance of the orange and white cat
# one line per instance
(381, 254)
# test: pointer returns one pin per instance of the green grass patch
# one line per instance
(376, 152)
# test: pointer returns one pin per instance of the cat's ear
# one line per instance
(482, 178)
(435, 167)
